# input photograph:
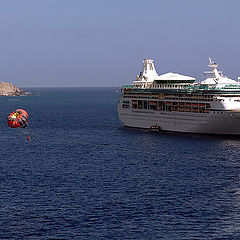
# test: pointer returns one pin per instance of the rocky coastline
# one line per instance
(7, 89)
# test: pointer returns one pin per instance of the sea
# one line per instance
(85, 176)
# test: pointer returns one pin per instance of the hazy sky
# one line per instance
(103, 42)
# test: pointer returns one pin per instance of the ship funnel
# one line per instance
(149, 73)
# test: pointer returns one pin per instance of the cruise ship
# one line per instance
(175, 102)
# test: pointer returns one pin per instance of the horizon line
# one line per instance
(69, 86)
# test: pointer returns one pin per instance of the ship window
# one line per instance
(160, 106)
(139, 104)
(134, 104)
(168, 108)
(145, 104)
(125, 106)
(152, 105)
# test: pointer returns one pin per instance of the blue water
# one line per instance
(84, 176)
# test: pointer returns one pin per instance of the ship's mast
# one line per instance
(215, 74)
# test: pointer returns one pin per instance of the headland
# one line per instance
(8, 89)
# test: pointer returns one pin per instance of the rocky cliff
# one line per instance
(7, 89)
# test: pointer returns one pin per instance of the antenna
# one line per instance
(212, 64)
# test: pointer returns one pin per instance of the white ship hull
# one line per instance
(219, 122)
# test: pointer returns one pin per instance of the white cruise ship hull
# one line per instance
(217, 122)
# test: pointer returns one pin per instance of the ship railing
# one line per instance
(127, 86)
(165, 86)
(197, 87)
(231, 86)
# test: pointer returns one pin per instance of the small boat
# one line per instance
(154, 128)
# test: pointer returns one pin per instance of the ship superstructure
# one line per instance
(175, 102)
